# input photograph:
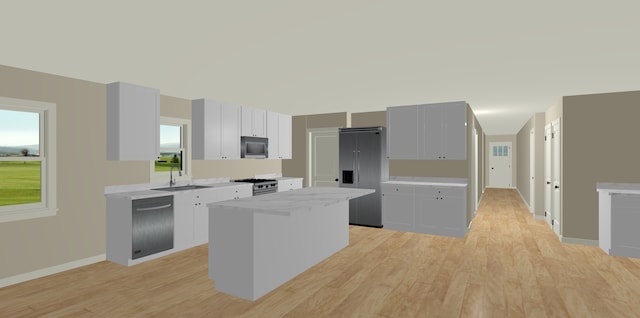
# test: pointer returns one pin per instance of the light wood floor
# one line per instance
(508, 265)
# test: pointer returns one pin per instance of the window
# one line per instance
(27, 159)
(174, 151)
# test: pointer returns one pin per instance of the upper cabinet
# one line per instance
(402, 132)
(254, 122)
(133, 122)
(427, 132)
(216, 130)
(279, 134)
(442, 130)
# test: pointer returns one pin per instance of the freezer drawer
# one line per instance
(152, 226)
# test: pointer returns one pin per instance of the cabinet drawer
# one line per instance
(397, 189)
(449, 192)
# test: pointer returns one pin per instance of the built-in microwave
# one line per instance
(254, 147)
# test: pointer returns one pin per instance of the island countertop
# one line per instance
(284, 203)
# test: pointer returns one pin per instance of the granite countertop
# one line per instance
(618, 187)
(288, 202)
(134, 193)
(427, 181)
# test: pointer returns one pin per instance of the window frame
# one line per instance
(48, 195)
(185, 142)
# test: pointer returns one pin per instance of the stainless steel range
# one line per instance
(262, 186)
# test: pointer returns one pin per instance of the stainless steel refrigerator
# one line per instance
(364, 164)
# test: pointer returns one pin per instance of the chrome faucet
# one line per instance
(172, 181)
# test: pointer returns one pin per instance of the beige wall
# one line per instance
(600, 144)
(369, 119)
(523, 162)
(78, 230)
(297, 165)
(514, 156)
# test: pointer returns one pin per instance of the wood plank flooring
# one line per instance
(508, 265)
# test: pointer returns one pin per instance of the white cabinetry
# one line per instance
(398, 207)
(619, 216)
(289, 184)
(279, 134)
(440, 210)
(254, 122)
(216, 130)
(402, 132)
(133, 122)
(234, 193)
(425, 208)
(197, 216)
(192, 215)
(427, 132)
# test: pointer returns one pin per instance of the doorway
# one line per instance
(500, 174)
(323, 157)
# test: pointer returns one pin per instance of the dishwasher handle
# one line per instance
(154, 208)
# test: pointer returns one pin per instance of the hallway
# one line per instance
(508, 265)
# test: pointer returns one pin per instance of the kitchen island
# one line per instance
(258, 243)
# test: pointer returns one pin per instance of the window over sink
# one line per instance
(175, 151)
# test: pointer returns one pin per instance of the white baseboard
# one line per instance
(572, 240)
(525, 201)
(540, 218)
(4, 282)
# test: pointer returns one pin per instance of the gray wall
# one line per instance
(524, 175)
(600, 144)
(78, 230)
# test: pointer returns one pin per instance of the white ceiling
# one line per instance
(507, 59)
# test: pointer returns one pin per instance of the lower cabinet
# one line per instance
(398, 207)
(289, 184)
(192, 213)
(430, 209)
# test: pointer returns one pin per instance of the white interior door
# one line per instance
(556, 210)
(475, 171)
(547, 173)
(532, 170)
(500, 165)
(322, 168)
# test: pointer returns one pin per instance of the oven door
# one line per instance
(254, 147)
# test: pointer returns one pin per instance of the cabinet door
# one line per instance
(254, 122)
(428, 213)
(453, 209)
(284, 136)
(183, 220)
(246, 121)
(397, 207)
(133, 122)
(230, 133)
(454, 131)
(259, 122)
(272, 134)
(430, 132)
(402, 132)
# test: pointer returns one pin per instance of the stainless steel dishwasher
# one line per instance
(152, 226)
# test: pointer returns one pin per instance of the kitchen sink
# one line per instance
(182, 188)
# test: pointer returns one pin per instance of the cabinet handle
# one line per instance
(154, 208)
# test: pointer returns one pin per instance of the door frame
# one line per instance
(309, 161)
(511, 157)
(532, 171)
